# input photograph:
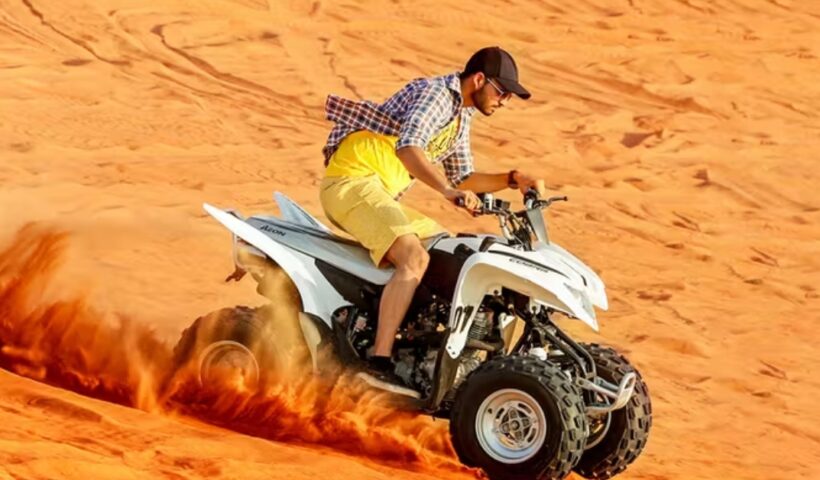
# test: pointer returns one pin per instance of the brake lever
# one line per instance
(559, 198)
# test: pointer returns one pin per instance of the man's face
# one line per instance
(490, 96)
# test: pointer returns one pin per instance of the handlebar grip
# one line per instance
(531, 196)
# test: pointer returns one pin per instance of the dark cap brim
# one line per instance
(514, 87)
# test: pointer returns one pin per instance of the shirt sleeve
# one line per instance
(458, 166)
(429, 112)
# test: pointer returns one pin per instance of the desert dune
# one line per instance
(685, 134)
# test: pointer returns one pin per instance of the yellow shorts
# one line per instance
(364, 208)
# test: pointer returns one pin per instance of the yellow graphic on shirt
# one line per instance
(443, 140)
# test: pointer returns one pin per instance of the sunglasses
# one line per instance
(501, 92)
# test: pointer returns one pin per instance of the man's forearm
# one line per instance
(415, 161)
(484, 182)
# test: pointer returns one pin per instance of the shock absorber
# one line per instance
(482, 324)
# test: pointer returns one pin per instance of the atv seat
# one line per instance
(341, 252)
(301, 231)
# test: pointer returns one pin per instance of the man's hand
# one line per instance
(525, 182)
(471, 201)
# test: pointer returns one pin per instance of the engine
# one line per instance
(419, 340)
(417, 364)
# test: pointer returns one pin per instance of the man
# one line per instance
(375, 152)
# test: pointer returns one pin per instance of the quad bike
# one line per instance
(479, 343)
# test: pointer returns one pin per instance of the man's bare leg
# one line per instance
(410, 259)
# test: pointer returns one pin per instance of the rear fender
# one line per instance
(318, 297)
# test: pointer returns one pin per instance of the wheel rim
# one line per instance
(228, 362)
(511, 426)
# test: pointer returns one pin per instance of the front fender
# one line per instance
(595, 286)
(485, 273)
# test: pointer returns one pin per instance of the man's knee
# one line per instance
(419, 262)
(409, 255)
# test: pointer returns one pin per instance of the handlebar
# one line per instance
(492, 206)
(533, 200)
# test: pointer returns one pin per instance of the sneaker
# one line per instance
(379, 374)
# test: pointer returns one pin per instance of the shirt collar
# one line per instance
(453, 82)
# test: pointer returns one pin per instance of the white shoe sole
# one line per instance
(389, 387)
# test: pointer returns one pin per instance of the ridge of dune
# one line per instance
(685, 134)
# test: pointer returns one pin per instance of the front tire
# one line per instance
(627, 429)
(519, 418)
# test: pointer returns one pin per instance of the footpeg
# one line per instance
(386, 386)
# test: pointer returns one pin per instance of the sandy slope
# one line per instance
(684, 132)
(58, 434)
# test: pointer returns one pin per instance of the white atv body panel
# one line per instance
(549, 255)
(292, 212)
(547, 281)
(318, 295)
(339, 252)
(549, 275)
(594, 286)
(300, 231)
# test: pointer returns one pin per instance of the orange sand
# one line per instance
(685, 134)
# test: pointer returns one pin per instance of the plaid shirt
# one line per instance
(414, 114)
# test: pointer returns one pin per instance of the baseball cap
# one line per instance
(496, 63)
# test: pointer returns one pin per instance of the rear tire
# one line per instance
(519, 418)
(225, 345)
(628, 428)
(241, 345)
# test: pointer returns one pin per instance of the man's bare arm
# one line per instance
(493, 182)
(484, 182)
(415, 161)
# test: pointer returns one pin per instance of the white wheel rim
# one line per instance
(230, 361)
(511, 426)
